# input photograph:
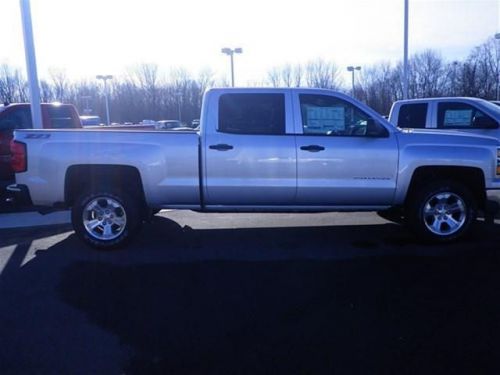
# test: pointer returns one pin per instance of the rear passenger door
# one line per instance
(249, 154)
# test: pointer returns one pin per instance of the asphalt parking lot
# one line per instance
(197, 293)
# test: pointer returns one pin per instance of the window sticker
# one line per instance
(325, 119)
(458, 117)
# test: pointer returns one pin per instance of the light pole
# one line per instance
(497, 37)
(454, 82)
(29, 51)
(179, 95)
(105, 78)
(352, 69)
(230, 52)
(405, 54)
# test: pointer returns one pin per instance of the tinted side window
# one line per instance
(19, 118)
(60, 117)
(458, 115)
(412, 115)
(327, 115)
(252, 113)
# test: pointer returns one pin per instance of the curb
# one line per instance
(33, 219)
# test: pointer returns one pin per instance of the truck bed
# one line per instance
(167, 161)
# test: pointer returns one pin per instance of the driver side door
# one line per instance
(344, 157)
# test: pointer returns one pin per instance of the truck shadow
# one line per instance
(304, 300)
(16, 236)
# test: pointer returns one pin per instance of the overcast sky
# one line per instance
(89, 37)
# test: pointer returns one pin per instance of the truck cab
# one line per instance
(301, 148)
(472, 115)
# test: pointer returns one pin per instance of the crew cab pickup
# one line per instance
(263, 150)
(464, 114)
(18, 116)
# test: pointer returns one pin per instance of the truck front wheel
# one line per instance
(105, 220)
(442, 211)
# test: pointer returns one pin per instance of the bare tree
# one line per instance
(274, 77)
(282, 76)
(452, 78)
(486, 61)
(12, 84)
(322, 74)
(46, 92)
(205, 79)
(428, 74)
(59, 83)
(298, 75)
(146, 77)
(318, 73)
(379, 86)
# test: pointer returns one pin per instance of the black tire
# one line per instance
(442, 211)
(119, 206)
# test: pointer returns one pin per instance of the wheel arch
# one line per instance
(91, 178)
(471, 177)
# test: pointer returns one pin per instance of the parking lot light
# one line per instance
(230, 52)
(105, 79)
(352, 69)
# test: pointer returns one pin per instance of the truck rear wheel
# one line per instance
(105, 220)
(442, 211)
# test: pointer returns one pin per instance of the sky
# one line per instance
(87, 37)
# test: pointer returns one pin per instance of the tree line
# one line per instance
(144, 93)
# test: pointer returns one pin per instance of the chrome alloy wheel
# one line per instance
(444, 213)
(104, 218)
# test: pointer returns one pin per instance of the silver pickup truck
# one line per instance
(263, 150)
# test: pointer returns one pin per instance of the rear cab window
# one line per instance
(61, 117)
(259, 114)
(412, 115)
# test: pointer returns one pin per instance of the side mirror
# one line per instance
(484, 122)
(375, 130)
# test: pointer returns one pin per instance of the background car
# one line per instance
(168, 124)
(90, 120)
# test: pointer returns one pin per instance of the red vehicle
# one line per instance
(18, 116)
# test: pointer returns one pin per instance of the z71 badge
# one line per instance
(36, 136)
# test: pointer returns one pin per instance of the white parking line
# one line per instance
(33, 219)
